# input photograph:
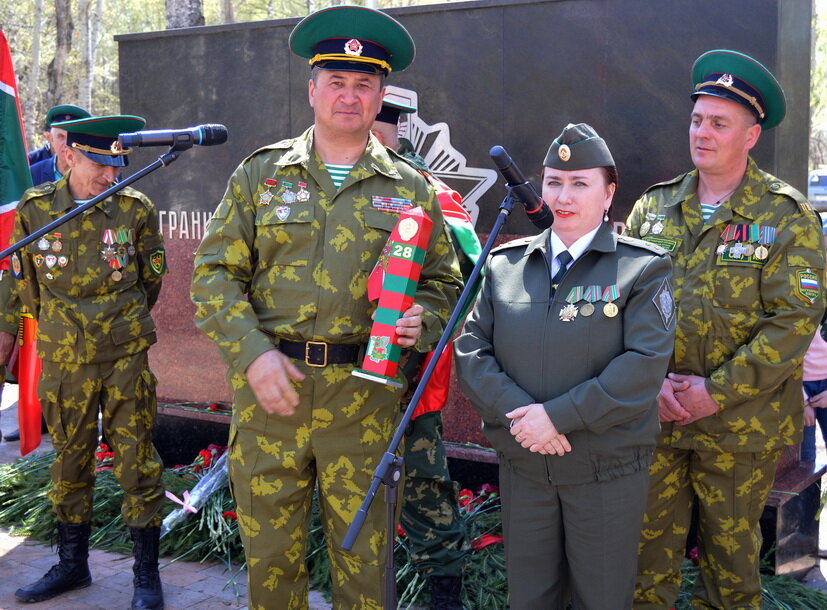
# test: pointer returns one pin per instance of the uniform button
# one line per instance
(775, 186)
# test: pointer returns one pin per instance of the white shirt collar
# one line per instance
(576, 249)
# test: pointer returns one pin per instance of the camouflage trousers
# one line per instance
(731, 489)
(71, 395)
(430, 516)
(335, 439)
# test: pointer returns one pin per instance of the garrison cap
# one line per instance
(353, 39)
(578, 147)
(392, 107)
(740, 78)
(97, 137)
(64, 112)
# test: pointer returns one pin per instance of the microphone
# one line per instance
(201, 135)
(537, 209)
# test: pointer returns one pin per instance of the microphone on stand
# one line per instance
(201, 135)
(537, 209)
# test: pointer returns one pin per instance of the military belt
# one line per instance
(319, 353)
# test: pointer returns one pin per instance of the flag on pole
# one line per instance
(14, 179)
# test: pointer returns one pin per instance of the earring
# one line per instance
(606, 216)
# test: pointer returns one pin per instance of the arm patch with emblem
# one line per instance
(157, 261)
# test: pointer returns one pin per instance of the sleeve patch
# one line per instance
(665, 304)
(16, 266)
(806, 284)
(157, 261)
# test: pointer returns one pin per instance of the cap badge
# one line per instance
(353, 47)
(564, 152)
(725, 80)
(116, 147)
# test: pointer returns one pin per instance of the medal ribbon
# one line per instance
(575, 294)
(592, 293)
(612, 292)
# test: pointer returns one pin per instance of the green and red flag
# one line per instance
(14, 179)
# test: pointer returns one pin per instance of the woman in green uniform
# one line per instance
(563, 356)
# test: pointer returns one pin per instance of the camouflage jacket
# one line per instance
(9, 302)
(749, 289)
(288, 255)
(91, 283)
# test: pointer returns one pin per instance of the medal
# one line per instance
(568, 312)
(62, 261)
(721, 249)
(282, 212)
(51, 260)
(130, 250)
(303, 194)
(288, 196)
(761, 253)
(266, 197)
(57, 245)
(749, 249)
(644, 228)
(587, 309)
(43, 244)
(117, 275)
(610, 294)
(657, 228)
(610, 310)
(737, 251)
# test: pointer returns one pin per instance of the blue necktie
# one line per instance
(564, 258)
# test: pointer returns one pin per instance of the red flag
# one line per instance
(14, 179)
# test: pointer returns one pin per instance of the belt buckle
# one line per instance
(307, 354)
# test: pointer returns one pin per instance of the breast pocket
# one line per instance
(737, 286)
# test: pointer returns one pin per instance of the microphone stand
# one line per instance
(389, 470)
(162, 161)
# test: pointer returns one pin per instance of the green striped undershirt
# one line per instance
(338, 173)
(708, 210)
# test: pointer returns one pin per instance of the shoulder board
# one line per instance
(39, 190)
(779, 187)
(640, 243)
(415, 162)
(281, 145)
(128, 191)
(514, 243)
(673, 181)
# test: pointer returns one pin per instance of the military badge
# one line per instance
(665, 303)
(568, 312)
(62, 261)
(51, 260)
(282, 212)
(288, 196)
(38, 260)
(353, 47)
(157, 261)
(564, 152)
(667, 243)
(806, 284)
(266, 197)
(303, 194)
(725, 80)
(57, 245)
(378, 349)
(16, 266)
(43, 244)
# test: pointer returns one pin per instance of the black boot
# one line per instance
(445, 592)
(71, 572)
(147, 581)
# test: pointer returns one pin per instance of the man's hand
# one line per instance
(695, 399)
(809, 416)
(6, 346)
(819, 401)
(533, 429)
(269, 377)
(409, 326)
(669, 409)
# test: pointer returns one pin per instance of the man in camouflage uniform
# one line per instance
(280, 285)
(90, 285)
(748, 268)
(435, 531)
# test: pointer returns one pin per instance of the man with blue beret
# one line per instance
(748, 266)
(91, 284)
(280, 284)
(46, 163)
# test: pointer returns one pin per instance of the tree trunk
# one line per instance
(184, 13)
(64, 27)
(227, 11)
(32, 115)
(86, 65)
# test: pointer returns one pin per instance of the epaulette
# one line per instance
(280, 145)
(671, 182)
(514, 243)
(641, 243)
(40, 190)
(780, 187)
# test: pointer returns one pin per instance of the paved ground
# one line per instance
(207, 586)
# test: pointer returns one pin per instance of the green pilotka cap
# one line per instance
(578, 147)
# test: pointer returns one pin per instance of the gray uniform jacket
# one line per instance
(597, 376)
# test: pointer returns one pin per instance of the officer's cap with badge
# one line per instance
(63, 112)
(353, 39)
(97, 137)
(392, 107)
(578, 147)
(741, 79)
